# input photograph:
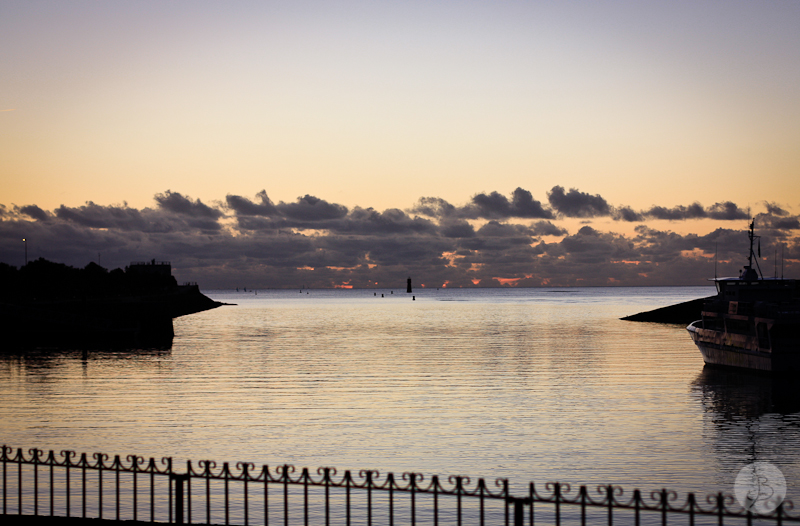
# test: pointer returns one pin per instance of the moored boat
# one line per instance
(753, 322)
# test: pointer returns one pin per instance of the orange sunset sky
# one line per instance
(144, 129)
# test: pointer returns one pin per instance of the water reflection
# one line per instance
(116, 350)
(735, 394)
(45, 364)
(750, 417)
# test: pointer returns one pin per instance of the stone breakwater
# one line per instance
(681, 313)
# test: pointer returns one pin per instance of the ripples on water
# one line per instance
(528, 384)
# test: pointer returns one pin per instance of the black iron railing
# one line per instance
(99, 486)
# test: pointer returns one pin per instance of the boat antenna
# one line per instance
(752, 254)
(715, 260)
(775, 260)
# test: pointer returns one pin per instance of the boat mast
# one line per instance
(753, 237)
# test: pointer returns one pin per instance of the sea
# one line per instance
(525, 384)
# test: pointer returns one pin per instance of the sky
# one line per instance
(273, 144)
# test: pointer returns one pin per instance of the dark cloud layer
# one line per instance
(693, 211)
(35, 212)
(96, 216)
(493, 205)
(725, 211)
(309, 208)
(177, 203)
(497, 206)
(492, 240)
(244, 207)
(577, 204)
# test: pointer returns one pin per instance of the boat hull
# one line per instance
(717, 348)
(732, 357)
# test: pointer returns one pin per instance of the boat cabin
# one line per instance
(764, 289)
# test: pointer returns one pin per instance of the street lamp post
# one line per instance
(25, 240)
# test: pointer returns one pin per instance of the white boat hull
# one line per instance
(716, 351)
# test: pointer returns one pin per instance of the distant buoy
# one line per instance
(381, 295)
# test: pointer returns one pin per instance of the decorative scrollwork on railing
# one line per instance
(363, 479)
(559, 495)
(99, 461)
(68, 455)
(661, 501)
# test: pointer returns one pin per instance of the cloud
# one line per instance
(777, 223)
(546, 228)
(434, 207)
(495, 229)
(35, 212)
(577, 204)
(309, 208)
(627, 213)
(259, 224)
(456, 228)
(390, 221)
(524, 205)
(244, 207)
(727, 211)
(497, 206)
(175, 213)
(177, 203)
(693, 211)
(775, 209)
(322, 244)
(591, 246)
(493, 205)
(96, 216)
(788, 223)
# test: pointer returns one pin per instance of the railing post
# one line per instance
(179, 480)
(519, 510)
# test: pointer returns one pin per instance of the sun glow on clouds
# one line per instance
(696, 253)
(451, 258)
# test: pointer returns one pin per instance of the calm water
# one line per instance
(529, 384)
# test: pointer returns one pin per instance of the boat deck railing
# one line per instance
(132, 487)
